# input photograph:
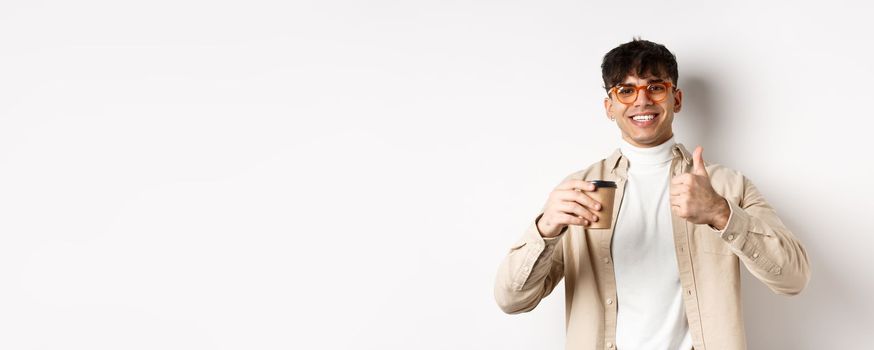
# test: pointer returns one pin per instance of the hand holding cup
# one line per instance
(570, 203)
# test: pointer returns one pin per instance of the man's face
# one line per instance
(645, 133)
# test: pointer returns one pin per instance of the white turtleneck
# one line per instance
(650, 313)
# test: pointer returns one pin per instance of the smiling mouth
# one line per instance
(644, 120)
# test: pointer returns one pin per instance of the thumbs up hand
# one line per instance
(693, 197)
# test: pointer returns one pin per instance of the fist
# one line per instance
(693, 197)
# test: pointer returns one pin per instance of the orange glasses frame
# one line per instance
(637, 89)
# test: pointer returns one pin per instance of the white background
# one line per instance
(349, 174)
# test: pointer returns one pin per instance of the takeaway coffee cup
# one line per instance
(605, 192)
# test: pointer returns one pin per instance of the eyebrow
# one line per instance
(648, 82)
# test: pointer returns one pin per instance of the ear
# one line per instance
(608, 107)
(678, 100)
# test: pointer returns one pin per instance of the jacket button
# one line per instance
(609, 301)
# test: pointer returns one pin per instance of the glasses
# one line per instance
(656, 92)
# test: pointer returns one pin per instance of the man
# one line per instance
(666, 274)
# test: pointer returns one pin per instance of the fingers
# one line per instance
(577, 210)
(579, 197)
(683, 206)
(681, 179)
(576, 184)
(682, 211)
(680, 189)
(681, 195)
(568, 219)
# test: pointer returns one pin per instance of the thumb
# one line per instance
(698, 162)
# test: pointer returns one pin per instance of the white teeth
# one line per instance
(643, 118)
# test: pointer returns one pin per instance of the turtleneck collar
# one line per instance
(657, 155)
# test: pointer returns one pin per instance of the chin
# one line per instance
(649, 141)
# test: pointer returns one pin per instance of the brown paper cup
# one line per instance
(605, 192)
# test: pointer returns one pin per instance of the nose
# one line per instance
(642, 99)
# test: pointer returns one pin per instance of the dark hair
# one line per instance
(638, 57)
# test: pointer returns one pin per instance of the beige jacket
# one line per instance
(708, 262)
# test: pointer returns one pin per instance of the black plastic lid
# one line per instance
(603, 183)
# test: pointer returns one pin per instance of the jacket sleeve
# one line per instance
(529, 271)
(766, 247)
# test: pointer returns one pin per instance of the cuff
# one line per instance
(535, 248)
(736, 229)
(740, 235)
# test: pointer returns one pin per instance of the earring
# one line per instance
(612, 119)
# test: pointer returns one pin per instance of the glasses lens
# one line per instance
(657, 92)
(626, 94)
